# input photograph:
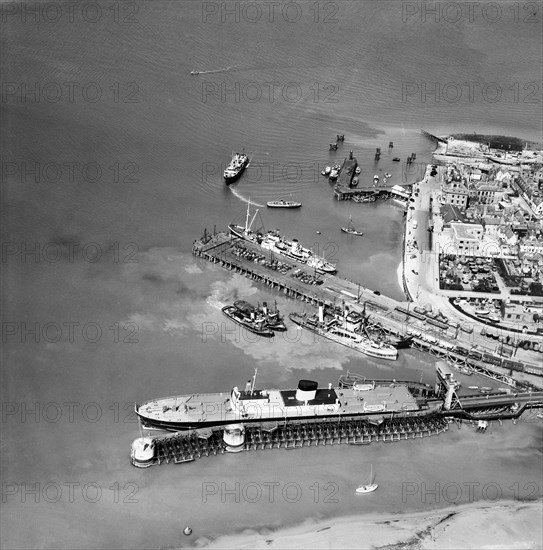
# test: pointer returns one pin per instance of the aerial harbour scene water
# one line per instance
(272, 275)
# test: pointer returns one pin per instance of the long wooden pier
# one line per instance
(299, 282)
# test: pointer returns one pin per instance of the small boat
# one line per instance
(318, 232)
(396, 159)
(354, 183)
(334, 172)
(388, 175)
(369, 487)
(357, 171)
(473, 387)
(351, 230)
(326, 171)
(283, 204)
(194, 72)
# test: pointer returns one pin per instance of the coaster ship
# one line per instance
(236, 167)
(345, 329)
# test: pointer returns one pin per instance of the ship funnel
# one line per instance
(294, 247)
(321, 314)
(265, 308)
(307, 390)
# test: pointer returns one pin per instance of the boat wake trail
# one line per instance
(216, 70)
(243, 199)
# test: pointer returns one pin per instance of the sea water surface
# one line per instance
(113, 309)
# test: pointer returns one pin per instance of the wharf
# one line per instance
(347, 172)
(345, 193)
(395, 317)
(186, 447)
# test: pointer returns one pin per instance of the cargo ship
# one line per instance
(236, 167)
(347, 332)
(238, 409)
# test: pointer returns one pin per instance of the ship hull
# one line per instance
(230, 312)
(235, 177)
(390, 354)
(186, 426)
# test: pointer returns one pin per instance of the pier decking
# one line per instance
(283, 275)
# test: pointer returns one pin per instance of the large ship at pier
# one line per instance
(346, 331)
(273, 241)
(274, 406)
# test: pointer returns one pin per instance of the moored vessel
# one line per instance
(345, 332)
(237, 410)
(273, 319)
(252, 321)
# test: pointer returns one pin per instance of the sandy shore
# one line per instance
(511, 525)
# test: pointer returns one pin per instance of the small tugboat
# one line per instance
(273, 319)
(236, 167)
(326, 171)
(350, 229)
(368, 487)
(252, 322)
(283, 204)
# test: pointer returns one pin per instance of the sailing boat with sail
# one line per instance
(369, 487)
(350, 229)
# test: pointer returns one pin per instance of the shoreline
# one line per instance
(506, 524)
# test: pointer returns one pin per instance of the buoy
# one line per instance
(187, 531)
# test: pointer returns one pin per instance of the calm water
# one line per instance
(153, 326)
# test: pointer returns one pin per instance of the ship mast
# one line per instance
(254, 380)
(247, 217)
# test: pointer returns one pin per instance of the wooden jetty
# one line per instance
(186, 447)
(283, 275)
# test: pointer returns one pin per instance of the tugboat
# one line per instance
(252, 322)
(283, 204)
(350, 229)
(236, 167)
(273, 319)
